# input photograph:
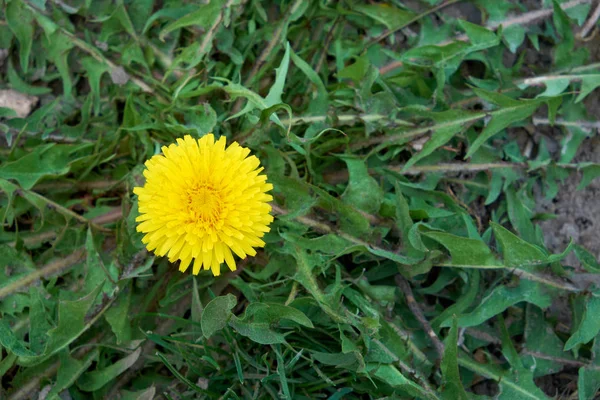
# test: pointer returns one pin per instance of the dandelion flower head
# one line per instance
(204, 202)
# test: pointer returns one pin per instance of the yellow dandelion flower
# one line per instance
(203, 201)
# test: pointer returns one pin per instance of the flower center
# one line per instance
(205, 204)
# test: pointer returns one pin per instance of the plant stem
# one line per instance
(590, 23)
(413, 20)
(562, 122)
(416, 310)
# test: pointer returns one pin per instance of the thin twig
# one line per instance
(481, 335)
(63, 210)
(46, 271)
(546, 280)
(342, 175)
(542, 80)
(404, 367)
(110, 217)
(345, 119)
(590, 23)
(208, 37)
(272, 43)
(565, 361)
(416, 310)
(556, 75)
(562, 122)
(390, 67)
(93, 185)
(326, 45)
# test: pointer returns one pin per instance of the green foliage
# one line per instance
(401, 140)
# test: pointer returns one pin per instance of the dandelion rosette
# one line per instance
(203, 202)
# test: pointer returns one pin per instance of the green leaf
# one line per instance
(257, 331)
(274, 95)
(403, 219)
(514, 36)
(502, 297)
(519, 214)
(589, 376)
(10, 342)
(392, 17)
(355, 71)
(390, 375)
(58, 46)
(380, 293)
(21, 86)
(452, 387)
(511, 112)
(118, 316)
(92, 381)
(46, 23)
(540, 338)
(590, 172)
(20, 21)
(526, 388)
(351, 221)
(393, 256)
(71, 325)
(203, 17)
(589, 326)
(461, 304)
(363, 192)
(464, 251)
(216, 314)
(588, 84)
(96, 271)
(43, 161)
(588, 382)
(95, 70)
(38, 320)
(305, 276)
(516, 251)
(336, 359)
(479, 36)
(447, 125)
(587, 259)
(272, 313)
(564, 51)
(321, 101)
(555, 87)
(255, 101)
(512, 387)
(144, 394)
(70, 370)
